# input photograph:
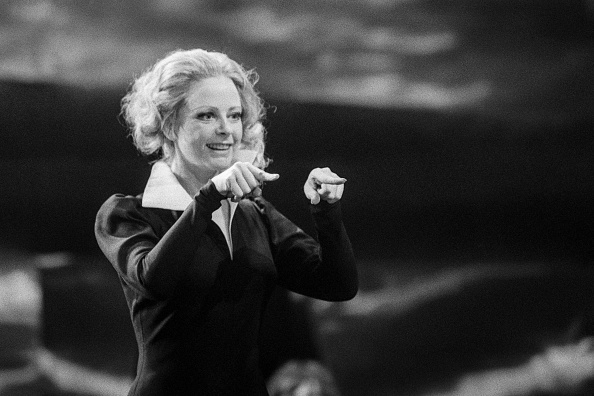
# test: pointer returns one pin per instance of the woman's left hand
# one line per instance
(323, 184)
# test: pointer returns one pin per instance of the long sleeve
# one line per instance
(323, 269)
(148, 257)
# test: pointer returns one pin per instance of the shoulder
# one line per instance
(121, 202)
(124, 214)
(120, 207)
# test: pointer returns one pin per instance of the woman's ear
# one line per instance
(170, 130)
(170, 136)
(171, 123)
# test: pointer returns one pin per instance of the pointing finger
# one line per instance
(323, 179)
(265, 176)
(262, 175)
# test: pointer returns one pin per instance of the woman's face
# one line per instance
(210, 127)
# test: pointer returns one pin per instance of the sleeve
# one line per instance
(324, 268)
(151, 265)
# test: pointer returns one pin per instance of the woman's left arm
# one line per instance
(323, 269)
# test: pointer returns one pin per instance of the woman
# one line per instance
(200, 251)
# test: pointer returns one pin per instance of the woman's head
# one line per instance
(153, 106)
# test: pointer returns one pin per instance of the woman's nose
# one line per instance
(224, 128)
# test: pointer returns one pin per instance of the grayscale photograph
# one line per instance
(297, 198)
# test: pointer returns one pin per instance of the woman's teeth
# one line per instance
(218, 146)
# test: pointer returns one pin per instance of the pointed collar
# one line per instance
(163, 190)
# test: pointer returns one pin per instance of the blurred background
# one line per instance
(464, 129)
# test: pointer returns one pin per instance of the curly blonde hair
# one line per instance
(152, 106)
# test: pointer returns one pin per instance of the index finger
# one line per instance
(329, 180)
(262, 175)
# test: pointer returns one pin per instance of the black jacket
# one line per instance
(195, 311)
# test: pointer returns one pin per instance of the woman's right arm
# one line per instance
(152, 265)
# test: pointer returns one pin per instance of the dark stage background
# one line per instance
(424, 185)
(464, 130)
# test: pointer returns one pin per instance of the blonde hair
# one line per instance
(152, 106)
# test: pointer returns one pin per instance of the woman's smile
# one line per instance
(219, 146)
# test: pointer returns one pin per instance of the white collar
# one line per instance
(163, 190)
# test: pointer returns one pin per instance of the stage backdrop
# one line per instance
(423, 185)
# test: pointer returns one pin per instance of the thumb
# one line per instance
(312, 195)
(315, 200)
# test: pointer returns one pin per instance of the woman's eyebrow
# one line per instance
(203, 108)
(214, 108)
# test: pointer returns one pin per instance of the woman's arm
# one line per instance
(323, 269)
(152, 264)
(126, 233)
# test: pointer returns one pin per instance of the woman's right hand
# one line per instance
(241, 179)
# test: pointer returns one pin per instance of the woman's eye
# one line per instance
(236, 116)
(205, 116)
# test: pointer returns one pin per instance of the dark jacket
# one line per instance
(195, 311)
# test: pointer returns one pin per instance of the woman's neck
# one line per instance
(191, 179)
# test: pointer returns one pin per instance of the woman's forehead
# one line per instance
(219, 92)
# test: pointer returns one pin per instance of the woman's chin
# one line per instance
(221, 164)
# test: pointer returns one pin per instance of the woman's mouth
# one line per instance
(219, 146)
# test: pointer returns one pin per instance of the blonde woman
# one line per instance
(200, 250)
